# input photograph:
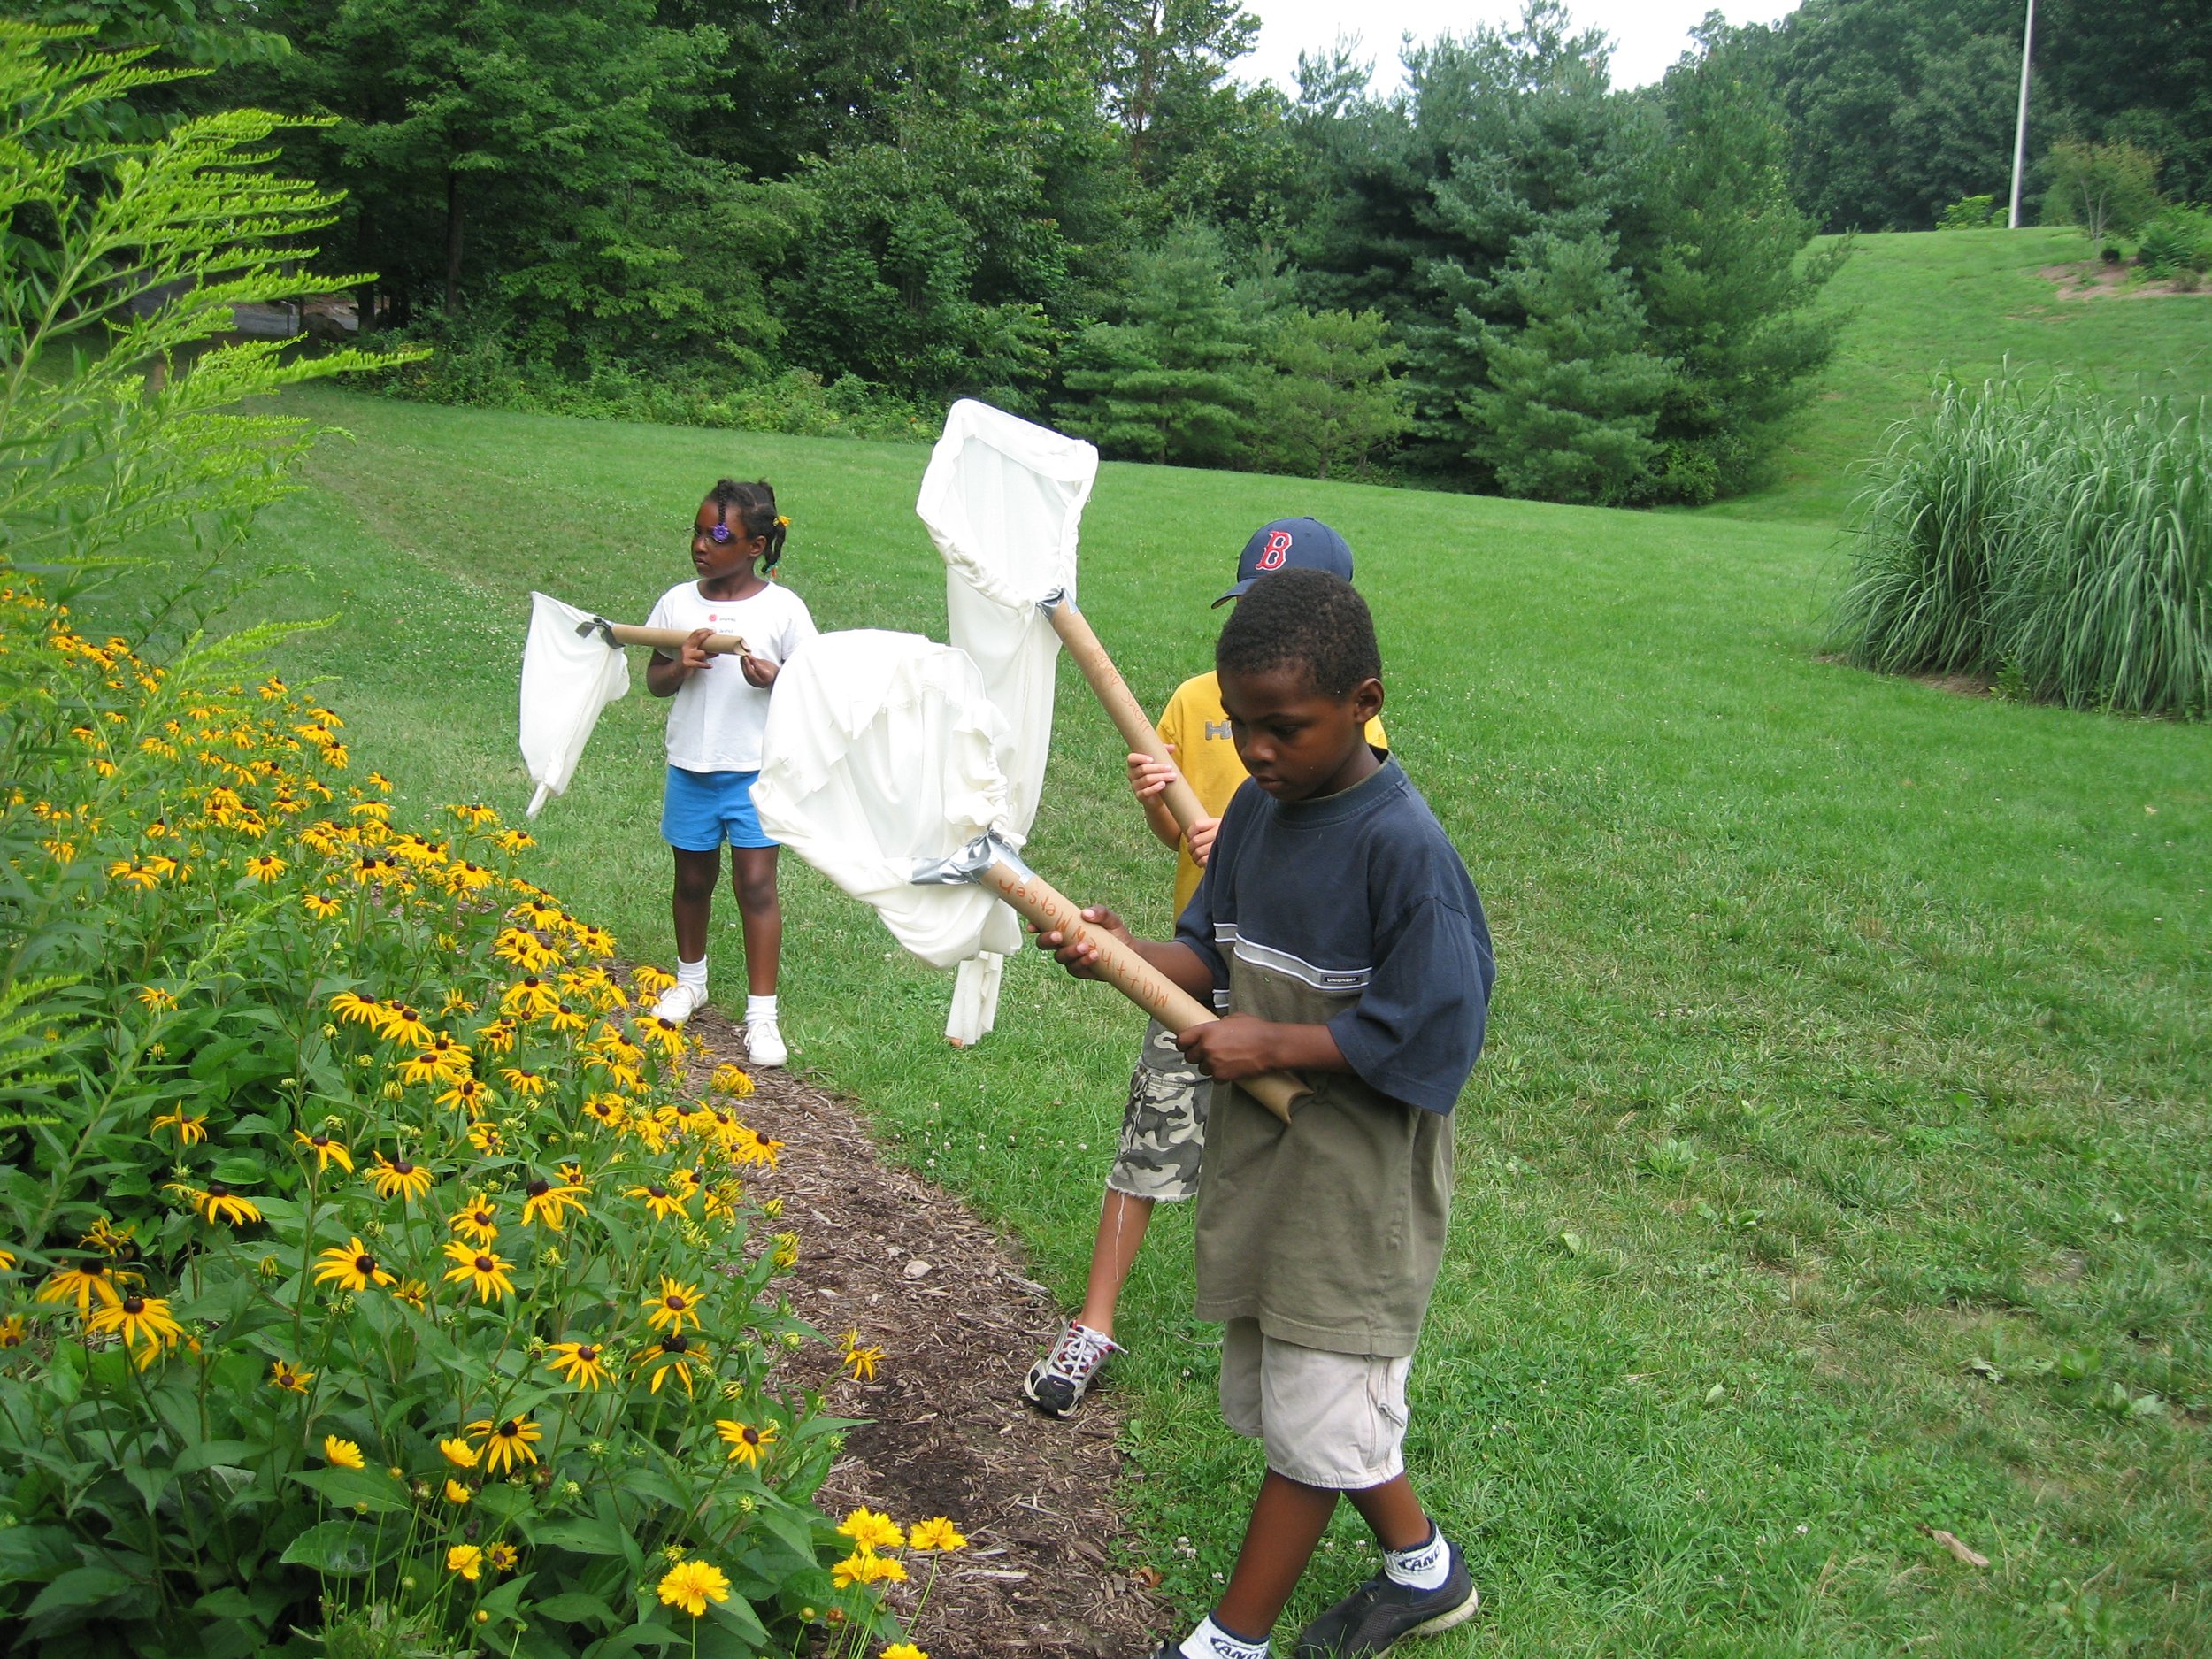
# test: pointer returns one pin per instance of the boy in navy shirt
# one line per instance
(1351, 947)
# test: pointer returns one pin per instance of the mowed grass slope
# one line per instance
(1966, 300)
(1837, 1168)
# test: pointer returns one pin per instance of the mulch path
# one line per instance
(921, 1276)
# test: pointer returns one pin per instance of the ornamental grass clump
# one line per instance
(2042, 539)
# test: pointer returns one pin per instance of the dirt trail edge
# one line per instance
(920, 1276)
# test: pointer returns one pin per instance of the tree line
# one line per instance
(1510, 275)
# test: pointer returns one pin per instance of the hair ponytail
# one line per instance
(756, 505)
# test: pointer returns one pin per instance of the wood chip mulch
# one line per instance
(919, 1275)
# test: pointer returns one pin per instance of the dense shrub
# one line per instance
(370, 1283)
(2177, 243)
(2045, 539)
(1968, 212)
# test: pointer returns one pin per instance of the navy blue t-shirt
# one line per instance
(1358, 892)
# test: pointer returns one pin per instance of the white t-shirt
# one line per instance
(716, 719)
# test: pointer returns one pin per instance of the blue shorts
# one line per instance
(703, 808)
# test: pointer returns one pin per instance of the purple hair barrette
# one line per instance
(719, 532)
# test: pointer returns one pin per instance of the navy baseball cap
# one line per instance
(1289, 544)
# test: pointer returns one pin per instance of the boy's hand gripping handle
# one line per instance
(1049, 911)
(1121, 706)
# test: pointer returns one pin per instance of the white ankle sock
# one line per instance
(1210, 1641)
(760, 1008)
(693, 974)
(1424, 1566)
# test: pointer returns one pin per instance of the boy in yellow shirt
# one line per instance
(1163, 1125)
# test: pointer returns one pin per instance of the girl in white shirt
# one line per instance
(714, 737)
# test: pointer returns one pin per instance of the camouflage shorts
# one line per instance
(1163, 1126)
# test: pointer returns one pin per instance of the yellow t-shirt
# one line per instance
(1195, 723)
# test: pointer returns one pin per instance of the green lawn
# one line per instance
(1966, 300)
(1838, 1165)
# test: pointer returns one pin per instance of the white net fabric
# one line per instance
(567, 679)
(881, 755)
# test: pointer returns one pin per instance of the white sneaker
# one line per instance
(1056, 1383)
(678, 1002)
(764, 1043)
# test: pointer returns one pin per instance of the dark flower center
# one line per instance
(483, 1217)
(216, 1189)
(539, 1189)
(133, 1305)
(657, 1192)
(675, 1304)
(676, 1344)
(401, 1166)
(483, 1263)
(511, 1428)
(318, 1141)
(752, 1435)
(587, 1353)
(364, 1265)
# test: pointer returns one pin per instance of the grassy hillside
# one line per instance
(1966, 300)
(1837, 1166)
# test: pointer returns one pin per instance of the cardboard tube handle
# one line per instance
(1050, 911)
(672, 639)
(1121, 706)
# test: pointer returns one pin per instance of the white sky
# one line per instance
(1647, 35)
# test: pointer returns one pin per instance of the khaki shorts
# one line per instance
(1163, 1126)
(1332, 1420)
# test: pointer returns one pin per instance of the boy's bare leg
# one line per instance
(753, 873)
(1287, 1521)
(696, 876)
(1121, 1224)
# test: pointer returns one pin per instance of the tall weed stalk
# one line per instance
(2043, 536)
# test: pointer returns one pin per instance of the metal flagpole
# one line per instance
(2020, 130)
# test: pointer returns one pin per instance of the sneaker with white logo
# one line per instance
(1381, 1613)
(678, 1003)
(764, 1043)
(1055, 1383)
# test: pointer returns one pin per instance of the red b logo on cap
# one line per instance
(1273, 556)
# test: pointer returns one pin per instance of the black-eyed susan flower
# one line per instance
(582, 1363)
(486, 1138)
(549, 1204)
(571, 1173)
(476, 1222)
(498, 1037)
(663, 1201)
(691, 1585)
(131, 873)
(672, 1306)
(675, 1354)
(352, 1008)
(507, 1442)
(475, 816)
(14, 1331)
(465, 1559)
(523, 1080)
(265, 867)
(664, 1034)
(748, 1441)
(651, 980)
(403, 1025)
(938, 1534)
(528, 998)
(863, 1360)
(86, 1282)
(504, 1557)
(609, 1111)
(396, 1178)
(459, 1453)
(467, 1095)
(342, 1453)
(442, 1059)
(566, 1021)
(190, 1131)
(350, 1267)
(786, 1255)
(143, 1322)
(155, 998)
(216, 1203)
(414, 1292)
(289, 1378)
(325, 1150)
(513, 840)
(733, 1080)
(482, 1270)
(318, 907)
(455, 1493)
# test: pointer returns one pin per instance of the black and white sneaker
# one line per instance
(1382, 1612)
(1055, 1383)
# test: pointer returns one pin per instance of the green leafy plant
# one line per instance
(1968, 212)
